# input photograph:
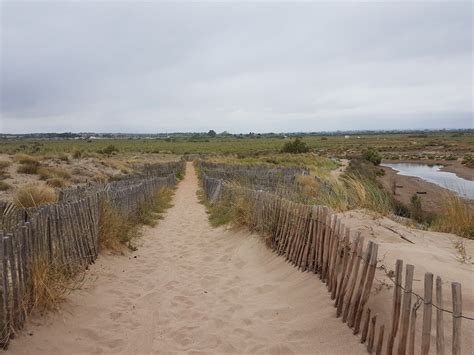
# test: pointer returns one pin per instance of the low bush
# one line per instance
(53, 172)
(4, 186)
(296, 146)
(28, 168)
(372, 155)
(468, 160)
(34, 195)
(63, 157)
(77, 154)
(26, 159)
(4, 164)
(109, 150)
(416, 209)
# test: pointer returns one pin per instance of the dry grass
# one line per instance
(26, 159)
(116, 232)
(4, 164)
(4, 186)
(117, 165)
(101, 178)
(150, 213)
(114, 229)
(348, 192)
(28, 168)
(53, 172)
(56, 182)
(51, 283)
(456, 217)
(34, 195)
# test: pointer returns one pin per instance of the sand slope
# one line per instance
(193, 288)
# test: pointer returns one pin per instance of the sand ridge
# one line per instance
(193, 288)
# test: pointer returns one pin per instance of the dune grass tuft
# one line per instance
(149, 213)
(4, 164)
(51, 283)
(34, 195)
(53, 172)
(56, 182)
(457, 217)
(116, 232)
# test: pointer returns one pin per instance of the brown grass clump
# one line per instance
(308, 185)
(4, 186)
(28, 168)
(4, 164)
(53, 172)
(51, 283)
(456, 217)
(150, 213)
(26, 159)
(114, 229)
(117, 165)
(100, 178)
(34, 195)
(56, 182)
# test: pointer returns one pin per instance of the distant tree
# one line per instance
(212, 133)
(295, 147)
(372, 156)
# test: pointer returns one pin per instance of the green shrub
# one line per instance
(372, 156)
(77, 154)
(296, 146)
(468, 160)
(109, 149)
(416, 210)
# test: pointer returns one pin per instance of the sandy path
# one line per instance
(191, 287)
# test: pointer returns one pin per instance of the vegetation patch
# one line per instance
(34, 195)
(51, 283)
(296, 146)
(457, 217)
(117, 232)
(46, 173)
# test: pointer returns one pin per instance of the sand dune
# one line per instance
(193, 288)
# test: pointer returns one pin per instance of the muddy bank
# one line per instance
(431, 195)
(452, 166)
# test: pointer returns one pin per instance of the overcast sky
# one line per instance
(263, 67)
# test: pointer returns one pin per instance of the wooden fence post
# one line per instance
(457, 314)
(427, 314)
(439, 317)
(405, 312)
(397, 300)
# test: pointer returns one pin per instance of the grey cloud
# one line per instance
(147, 67)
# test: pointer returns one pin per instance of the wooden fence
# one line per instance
(64, 234)
(280, 180)
(314, 240)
